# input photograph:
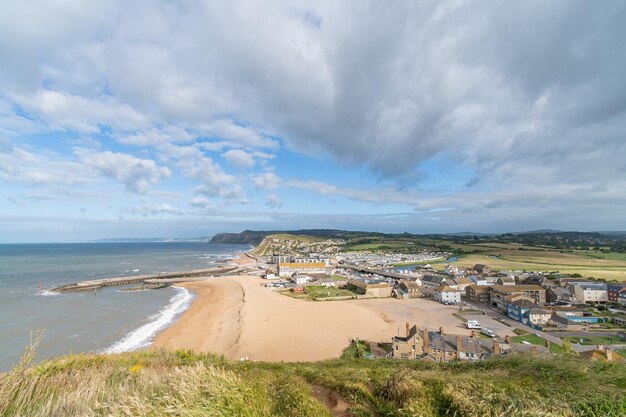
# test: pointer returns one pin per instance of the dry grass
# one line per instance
(185, 384)
(567, 263)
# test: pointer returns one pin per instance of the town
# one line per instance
(504, 311)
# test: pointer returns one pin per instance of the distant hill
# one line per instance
(253, 237)
(550, 238)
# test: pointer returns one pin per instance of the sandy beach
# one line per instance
(237, 317)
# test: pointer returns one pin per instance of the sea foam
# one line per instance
(142, 336)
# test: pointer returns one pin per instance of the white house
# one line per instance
(288, 269)
(445, 294)
(301, 279)
(480, 280)
(588, 292)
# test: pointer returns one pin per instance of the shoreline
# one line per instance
(144, 336)
(236, 317)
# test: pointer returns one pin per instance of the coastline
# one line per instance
(145, 336)
(236, 317)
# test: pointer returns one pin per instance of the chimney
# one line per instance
(407, 329)
(533, 349)
(425, 341)
(441, 331)
(496, 347)
(459, 344)
(507, 339)
(609, 355)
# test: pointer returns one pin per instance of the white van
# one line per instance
(472, 324)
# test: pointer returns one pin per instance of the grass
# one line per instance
(300, 238)
(548, 260)
(186, 384)
(536, 340)
(356, 350)
(315, 292)
(597, 340)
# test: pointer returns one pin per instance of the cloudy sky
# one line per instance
(186, 118)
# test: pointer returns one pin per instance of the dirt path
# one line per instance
(332, 400)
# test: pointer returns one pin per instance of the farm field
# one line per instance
(567, 263)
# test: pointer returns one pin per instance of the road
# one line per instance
(495, 314)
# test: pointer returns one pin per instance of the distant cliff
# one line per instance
(247, 237)
(254, 237)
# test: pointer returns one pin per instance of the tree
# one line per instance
(567, 346)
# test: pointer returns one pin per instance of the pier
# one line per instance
(166, 279)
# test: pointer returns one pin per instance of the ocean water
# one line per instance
(111, 320)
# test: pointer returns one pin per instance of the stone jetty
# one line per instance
(167, 277)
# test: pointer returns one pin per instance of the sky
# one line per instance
(186, 118)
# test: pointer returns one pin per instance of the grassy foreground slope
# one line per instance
(186, 384)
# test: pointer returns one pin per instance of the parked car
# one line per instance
(488, 332)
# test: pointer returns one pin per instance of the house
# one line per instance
(325, 282)
(437, 346)
(554, 294)
(277, 258)
(477, 293)
(603, 354)
(613, 289)
(499, 295)
(411, 288)
(483, 280)
(462, 283)
(269, 275)
(325, 261)
(434, 281)
(519, 310)
(590, 292)
(446, 295)
(568, 281)
(621, 297)
(572, 320)
(536, 279)
(482, 269)
(539, 316)
(377, 289)
(506, 280)
(300, 279)
(288, 269)
(451, 270)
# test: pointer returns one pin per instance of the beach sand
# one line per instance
(237, 317)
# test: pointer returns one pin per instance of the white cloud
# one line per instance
(63, 111)
(213, 181)
(239, 159)
(40, 168)
(273, 201)
(156, 136)
(266, 180)
(527, 97)
(135, 173)
(155, 210)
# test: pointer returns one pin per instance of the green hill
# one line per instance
(186, 384)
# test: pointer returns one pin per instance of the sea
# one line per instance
(108, 320)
